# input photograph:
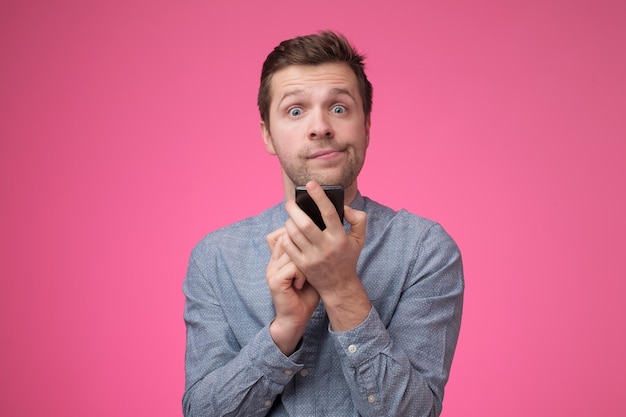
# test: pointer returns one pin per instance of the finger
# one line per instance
(300, 218)
(272, 237)
(278, 253)
(293, 251)
(358, 223)
(299, 280)
(281, 273)
(326, 207)
(294, 238)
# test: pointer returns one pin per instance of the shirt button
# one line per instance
(267, 403)
(288, 372)
(304, 373)
(371, 399)
(352, 348)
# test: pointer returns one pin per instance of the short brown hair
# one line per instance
(320, 48)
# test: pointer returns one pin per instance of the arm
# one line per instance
(223, 378)
(294, 298)
(399, 368)
(402, 368)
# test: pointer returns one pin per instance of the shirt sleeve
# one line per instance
(223, 378)
(401, 369)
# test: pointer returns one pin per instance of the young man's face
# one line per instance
(317, 128)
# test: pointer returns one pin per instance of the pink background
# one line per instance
(129, 130)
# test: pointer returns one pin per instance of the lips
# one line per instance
(324, 153)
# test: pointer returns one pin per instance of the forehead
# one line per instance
(313, 79)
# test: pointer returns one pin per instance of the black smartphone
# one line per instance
(306, 203)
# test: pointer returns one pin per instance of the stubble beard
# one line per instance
(301, 173)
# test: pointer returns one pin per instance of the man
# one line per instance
(354, 320)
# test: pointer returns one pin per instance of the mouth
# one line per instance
(325, 154)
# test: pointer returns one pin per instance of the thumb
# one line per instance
(358, 223)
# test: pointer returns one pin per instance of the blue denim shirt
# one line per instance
(395, 363)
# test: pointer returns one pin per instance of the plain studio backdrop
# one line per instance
(129, 130)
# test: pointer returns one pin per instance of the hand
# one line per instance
(294, 299)
(328, 258)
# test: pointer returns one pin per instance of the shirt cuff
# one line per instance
(270, 361)
(363, 342)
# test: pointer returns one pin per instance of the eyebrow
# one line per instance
(337, 91)
(342, 91)
(290, 94)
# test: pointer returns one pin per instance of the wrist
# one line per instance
(347, 310)
(286, 338)
(344, 290)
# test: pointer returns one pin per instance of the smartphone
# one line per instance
(306, 203)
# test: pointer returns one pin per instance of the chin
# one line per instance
(328, 181)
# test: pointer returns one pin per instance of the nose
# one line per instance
(320, 127)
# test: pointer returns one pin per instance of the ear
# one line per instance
(267, 138)
(368, 124)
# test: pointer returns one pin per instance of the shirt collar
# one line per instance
(359, 202)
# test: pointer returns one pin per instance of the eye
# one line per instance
(338, 109)
(295, 111)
